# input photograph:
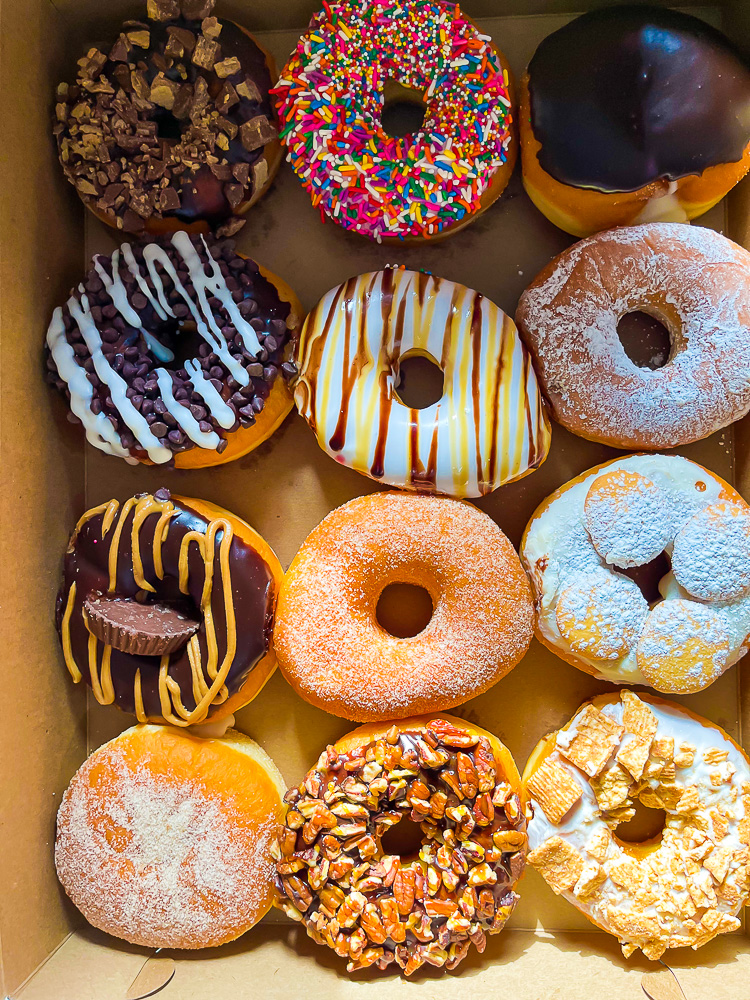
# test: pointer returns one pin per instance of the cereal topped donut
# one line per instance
(692, 280)
(489, 427)
(678, 888)
(172, 126)
(356, 57)
(112, 349)
(588, 548)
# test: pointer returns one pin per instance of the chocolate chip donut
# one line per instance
(166, 608)
(114, 350)
(172, 125)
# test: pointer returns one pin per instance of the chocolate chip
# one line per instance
(270, 373)
(205, 426)
(257, 132)
(186, 38)
(158, 428)
(138, 300)
(176, 436)
(222, 446)
(289, 369)
(270, 345)
(234, 194)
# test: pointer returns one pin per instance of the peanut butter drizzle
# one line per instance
(205, 694)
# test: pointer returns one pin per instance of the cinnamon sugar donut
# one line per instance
(583, 541)
(329, 643)
(165, 839)
(695, 282)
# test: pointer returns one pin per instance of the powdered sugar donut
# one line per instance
(165, 839)
(695, 282)
(583, 540)
(337, 656)
(682, 887)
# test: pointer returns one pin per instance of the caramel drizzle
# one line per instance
(209, 680)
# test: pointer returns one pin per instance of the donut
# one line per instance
(460, 784)
(329, 643)
(679, 888)
(588, 543)
(166, 608)
(692, 280)
(165, 839)
(633, 114)
(489, 427)
(173, 126)
(357, 59)
(116, 350)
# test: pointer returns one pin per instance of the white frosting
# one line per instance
(99, 430)
(584, 822)
(558, 553)
(488, 428)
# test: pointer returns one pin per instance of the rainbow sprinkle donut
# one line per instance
(330, 102)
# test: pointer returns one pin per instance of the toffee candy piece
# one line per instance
(134, 627)
(180, 552)
(111, 350)
(679, 888)
(633, 114)
(586, 542)
(153, 134)
(164, 839)
(461, 784)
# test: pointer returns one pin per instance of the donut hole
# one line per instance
(184, 342)
(403, 110)
(419, 381)
(646, 825)
(648, 576)
(645, 340)
(404, 610)
(167, 126)
(404, 839)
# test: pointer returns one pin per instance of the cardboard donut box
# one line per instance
(283, 489)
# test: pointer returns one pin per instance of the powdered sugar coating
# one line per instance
(711, 554)
(329, 644)
(627, 518)
(561, 558)
(602, 615)
(160, 854)
(692, 279)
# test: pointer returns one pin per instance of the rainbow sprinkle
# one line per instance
(330, 99)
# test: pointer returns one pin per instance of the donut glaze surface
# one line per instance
(488, 428)
(679, 889)
(460, 784)
(162, 548)
(629, 95)
(330, 101)
(329, 643)
(585, 544)
(695, 282)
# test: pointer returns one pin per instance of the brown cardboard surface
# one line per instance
(283, 490)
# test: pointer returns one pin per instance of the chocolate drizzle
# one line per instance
(626, 96)
(237, 606)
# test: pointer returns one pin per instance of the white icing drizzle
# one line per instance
(488, 428)
(99, 429)
(559, 554)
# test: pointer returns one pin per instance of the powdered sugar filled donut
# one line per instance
(584, 539)
(696, 282)
(329, 643)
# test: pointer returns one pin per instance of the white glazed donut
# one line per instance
(489, 427)
(695, 282)
(681, 888)
(622, 515)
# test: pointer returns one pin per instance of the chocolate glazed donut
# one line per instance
(159, 571)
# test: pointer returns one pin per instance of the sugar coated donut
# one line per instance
(488, 428)
(329, 643)
(354, 58)
(111, 350)
(583, 549)
(166, 608)
(165, 839)
(460, 784)
(172, 127)
(681, 887)
(633, 114)
(695, 282)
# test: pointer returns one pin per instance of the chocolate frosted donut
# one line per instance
(114, 350)
(172, 125)
(179, 566)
